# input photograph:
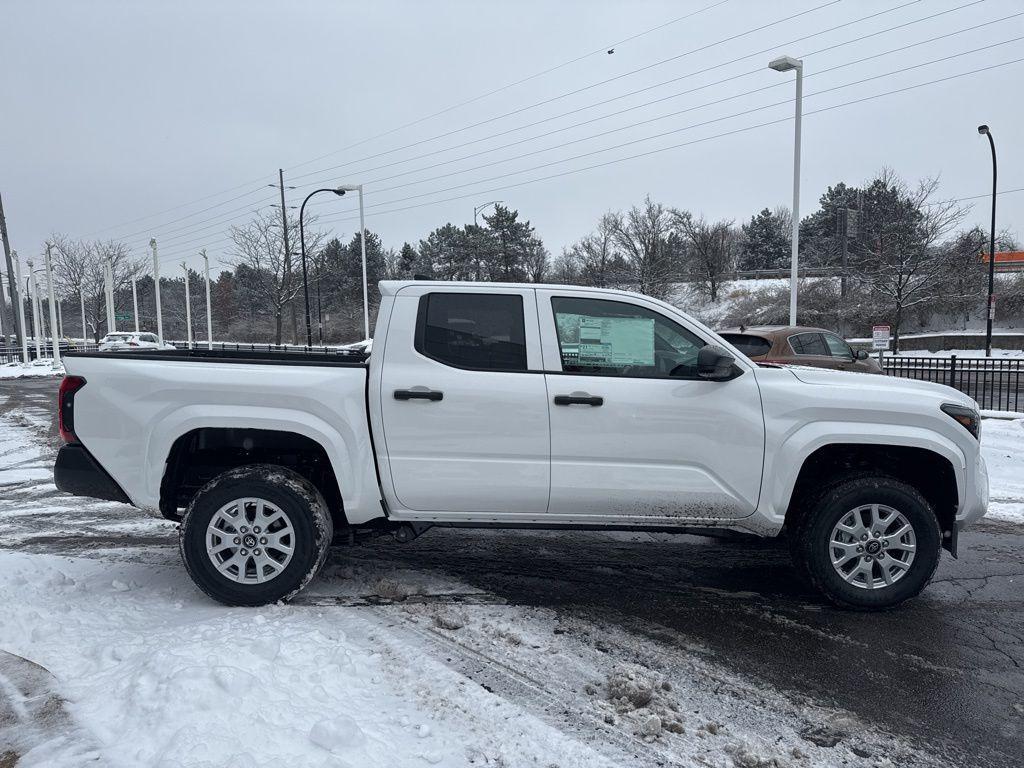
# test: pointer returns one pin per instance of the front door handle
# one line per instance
(579, 398)
(418, 394)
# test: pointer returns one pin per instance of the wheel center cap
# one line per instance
(873, 547)
(249, 540)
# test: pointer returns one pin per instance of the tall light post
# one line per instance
(16, 294)
(339, 191)
(785, 64)
(984, 130)
(135, 302)
(156, 282)
(362, 247)
(108, 279)
(36, 307)
(81, 305)
(209, 310)
(54, 326)
(476, 233)
(188, 309)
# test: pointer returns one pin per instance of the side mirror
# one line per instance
(715, 363)
(862, 354)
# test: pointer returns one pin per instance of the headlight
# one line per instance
(968, 418)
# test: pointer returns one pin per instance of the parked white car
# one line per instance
(524, 406)
(117, 342)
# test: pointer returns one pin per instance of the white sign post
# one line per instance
(880, 337)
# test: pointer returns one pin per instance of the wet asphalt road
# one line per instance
(946, 670)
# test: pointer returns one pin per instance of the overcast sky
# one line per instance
(182, 112)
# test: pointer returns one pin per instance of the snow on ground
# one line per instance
(1002, 443)
(42, 367)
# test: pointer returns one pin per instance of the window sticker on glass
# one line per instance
(616, 340)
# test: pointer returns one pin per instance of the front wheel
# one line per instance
(869, 543)
(255, 535)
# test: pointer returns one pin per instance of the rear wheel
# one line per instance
(869, 543)
(255, 535)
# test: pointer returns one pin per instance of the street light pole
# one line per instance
(984, 130)
(209, 311)
(302, 243)
(16, 294)
(81, 304)
(785, 64)
(36, 305)
(53, 310)
(135, 302)
(188, 309)
(156, 282)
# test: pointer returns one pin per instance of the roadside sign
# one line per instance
(122, 317)
(880, 335)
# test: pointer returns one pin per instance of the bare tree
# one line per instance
(711, 250)
(79, 268)
(905, 265)
(259, 246)
(595, 259)
(642, 235)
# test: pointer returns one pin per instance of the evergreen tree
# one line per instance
(765, 243)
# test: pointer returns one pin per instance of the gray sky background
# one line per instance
(114, 111)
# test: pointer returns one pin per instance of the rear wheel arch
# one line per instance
(201, 454)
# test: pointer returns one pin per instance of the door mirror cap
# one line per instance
(716, 364)
(862, 354)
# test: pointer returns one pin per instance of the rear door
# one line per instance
(464, 402)
(635, 433)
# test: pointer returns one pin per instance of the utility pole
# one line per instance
(12, 279)
(53, 309)
(135, 303)
(21, 309)
(209, 310)
(156, 281)
(287, 250)
(188, 309)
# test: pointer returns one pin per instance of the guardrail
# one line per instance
(10, 353)
(997, 384)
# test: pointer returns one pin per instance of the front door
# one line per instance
(465, 420)
(635, 433)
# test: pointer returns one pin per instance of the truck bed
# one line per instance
(296, 357)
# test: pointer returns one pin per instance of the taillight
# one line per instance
(66, 407)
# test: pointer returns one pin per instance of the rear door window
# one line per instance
(751, 346)
(808, 344)
(479, 332)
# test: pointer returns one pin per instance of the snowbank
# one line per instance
(44, 367)
(1002, 443)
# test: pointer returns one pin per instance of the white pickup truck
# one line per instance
(524, 406)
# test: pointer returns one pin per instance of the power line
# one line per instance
(663, 133)
(759, 70)
(424, 118)
(690, 143)
(668, 148)
(527, 79)
(662, 116)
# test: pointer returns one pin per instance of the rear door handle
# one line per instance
(418, 394)
(581, 398)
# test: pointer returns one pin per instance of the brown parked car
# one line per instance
(798, 345)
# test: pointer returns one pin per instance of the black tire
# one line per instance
(292, 494)
(811, 542)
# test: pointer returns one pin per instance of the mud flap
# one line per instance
(949, 541)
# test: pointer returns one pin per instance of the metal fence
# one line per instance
(997, 384)
(11, 353)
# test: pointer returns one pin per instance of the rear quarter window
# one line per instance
(751, 346)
